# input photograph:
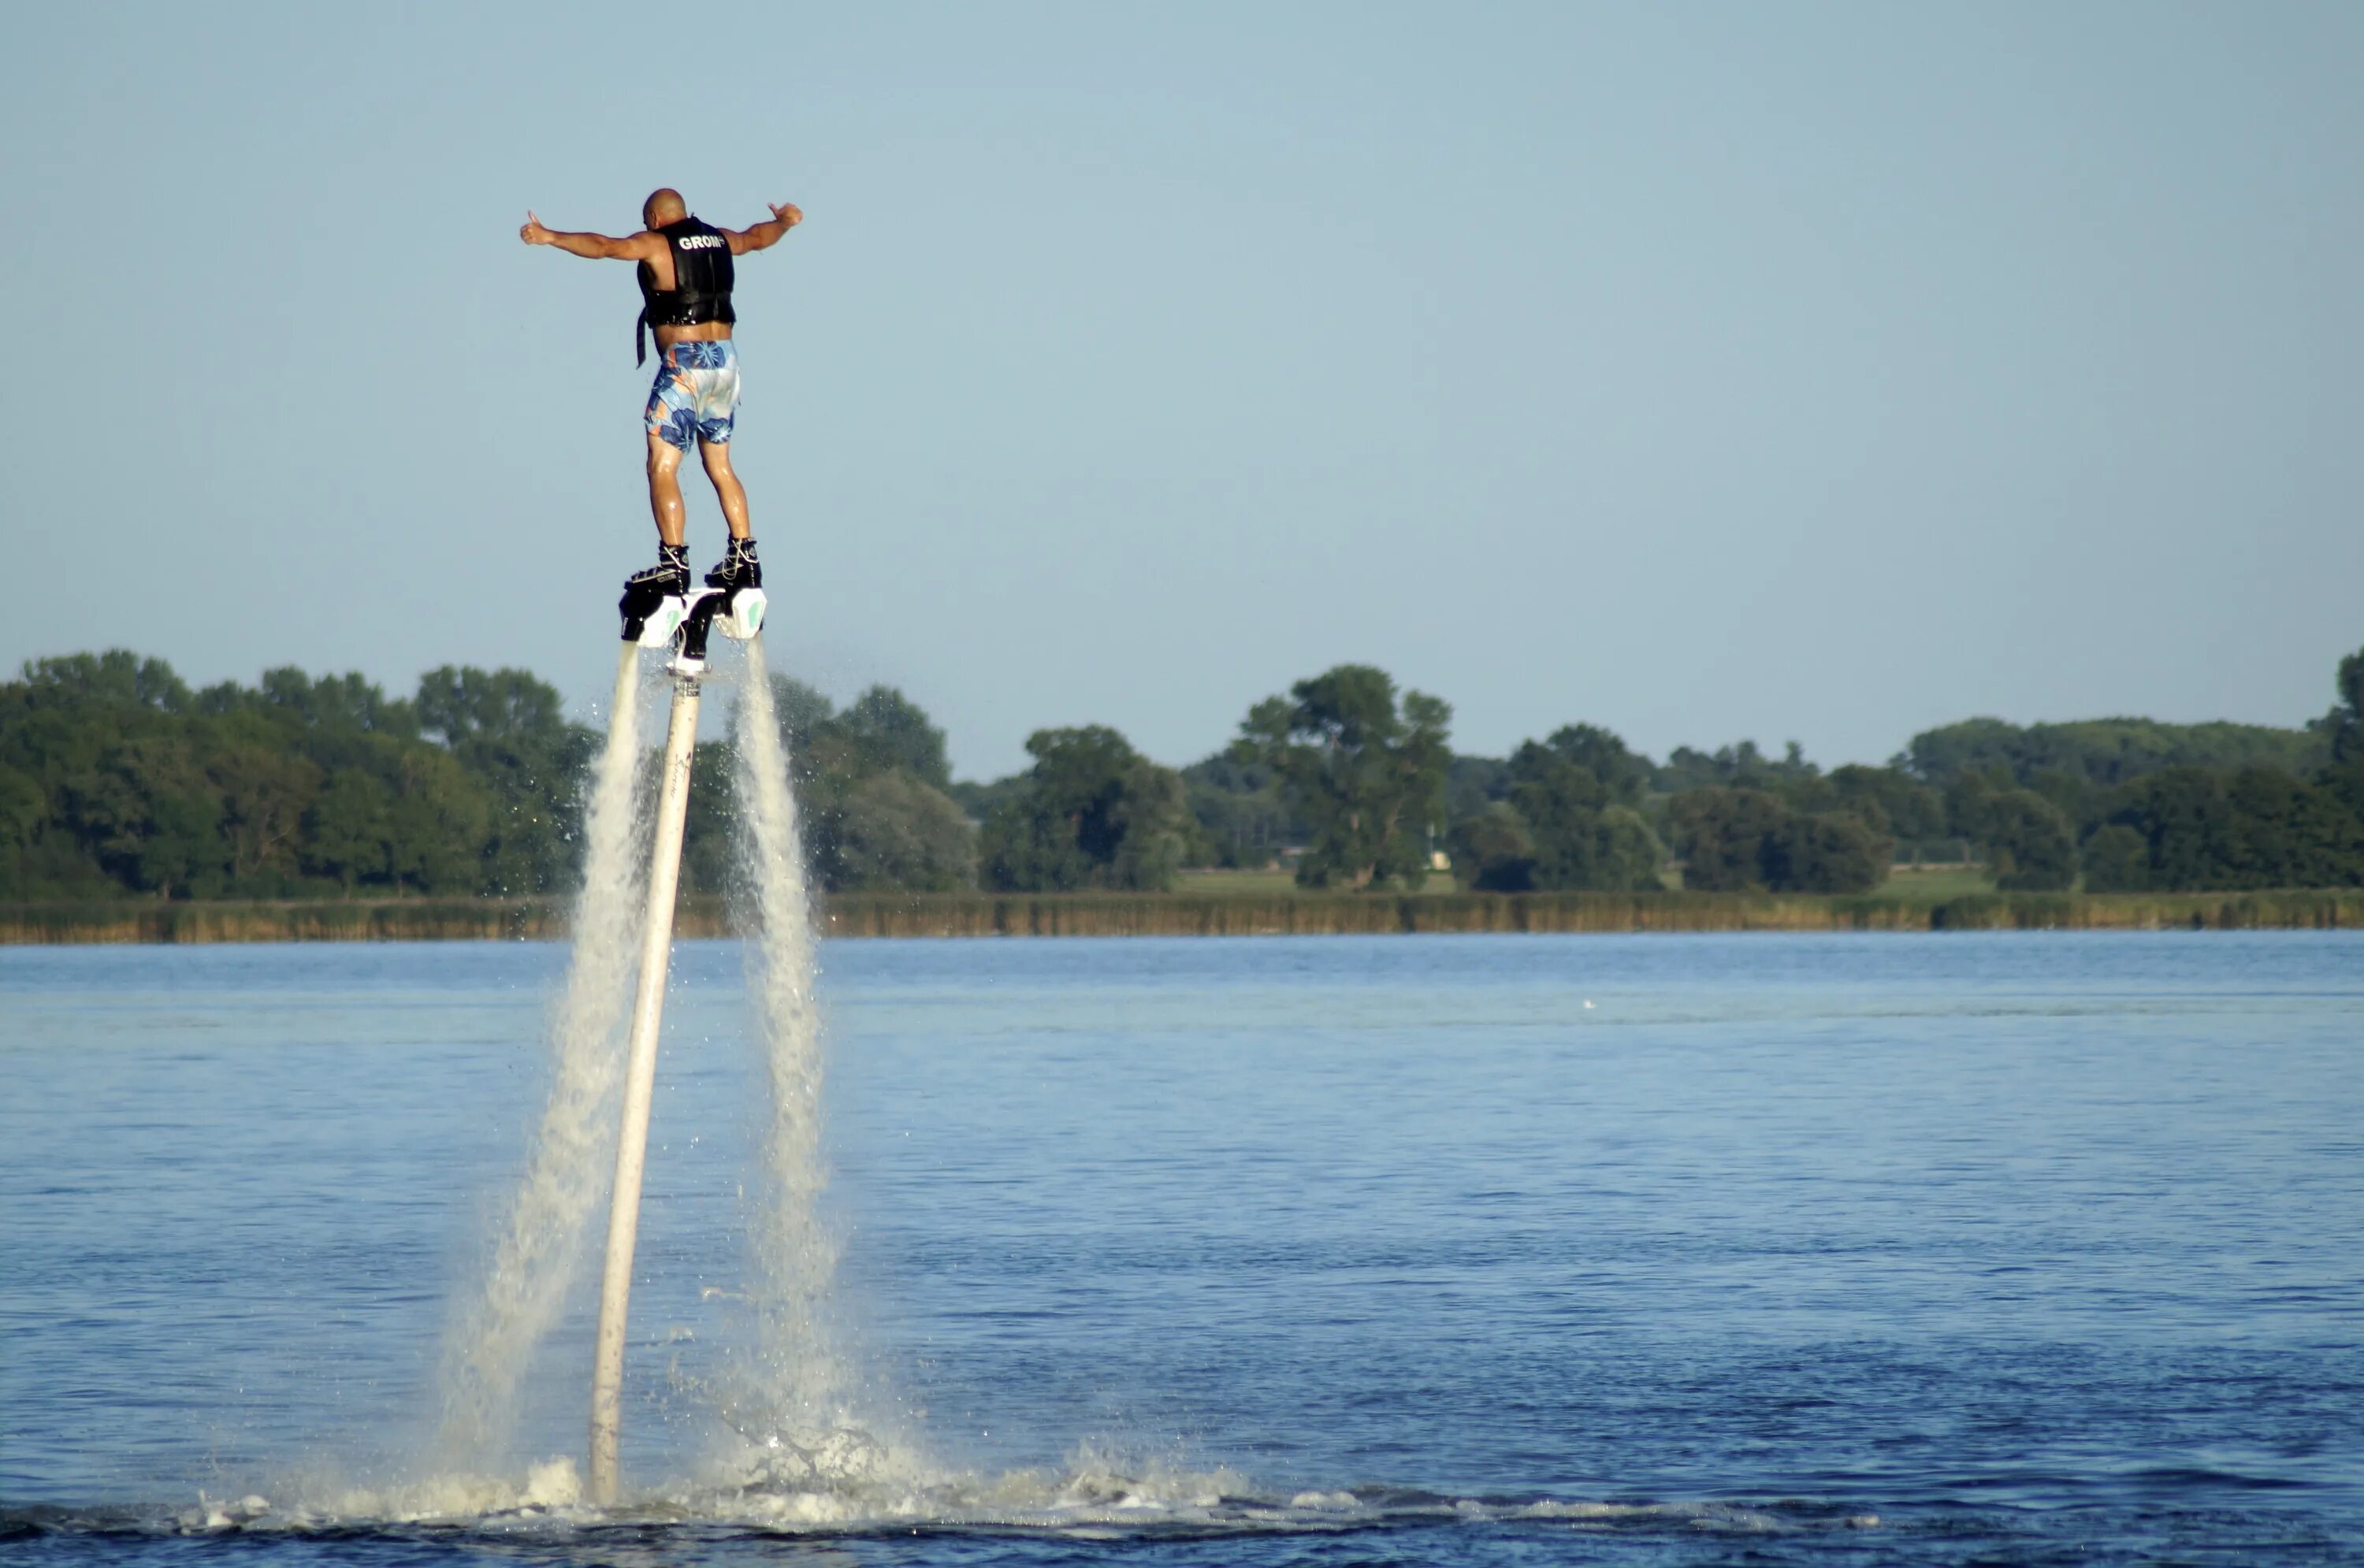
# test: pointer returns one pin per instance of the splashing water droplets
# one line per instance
(783, 1395)
(795, 1392)
(539, 1247)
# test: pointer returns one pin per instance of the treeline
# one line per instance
(115, 776)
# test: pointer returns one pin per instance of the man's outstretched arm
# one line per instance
(594, 247)
(770, 232)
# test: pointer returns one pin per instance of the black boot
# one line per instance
(669, 576)
(738, 568)
(652, 606)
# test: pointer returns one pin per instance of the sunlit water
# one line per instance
(1408, 1250)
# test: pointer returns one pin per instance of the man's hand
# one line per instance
(638, 247)
(770, 232)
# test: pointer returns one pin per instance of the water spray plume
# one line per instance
(794, 1394)
(539, 1247)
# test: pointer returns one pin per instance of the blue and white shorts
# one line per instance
(696, 395)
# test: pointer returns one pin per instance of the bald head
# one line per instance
(663, 207)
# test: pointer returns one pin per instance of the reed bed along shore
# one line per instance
(1197, 914)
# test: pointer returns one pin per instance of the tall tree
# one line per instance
(2116, 861)
(1560, 803)
(897, 832)
(1242, 820)
(2256, 829)
(1622, 773)
(2344, 724)
(873, 785)
(1365, 772)
(2103, 751)
(889, 730)
(1492, 850)
(1890, 801)
(1722, 834)
(1825, 851)
(509, 729)
(2028, 843)
(265, 793)
(345, 831)
(1094, 813)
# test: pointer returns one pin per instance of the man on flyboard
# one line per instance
(686, 277)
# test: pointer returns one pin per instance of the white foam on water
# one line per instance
(1095, 1495)
(537, 1250)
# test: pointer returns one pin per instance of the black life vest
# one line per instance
(702, 283)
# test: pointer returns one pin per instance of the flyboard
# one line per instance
(651, 620)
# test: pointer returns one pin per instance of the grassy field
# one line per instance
(1935, 885)
(1237, 884)
(1906, 884)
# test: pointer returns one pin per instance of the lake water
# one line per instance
(1631, 1250)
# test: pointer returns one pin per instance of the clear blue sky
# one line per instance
(1816, 371)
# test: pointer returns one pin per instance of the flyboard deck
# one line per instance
(652, 620)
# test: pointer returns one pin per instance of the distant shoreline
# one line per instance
(120, 921)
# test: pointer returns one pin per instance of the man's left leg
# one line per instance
(733, 495)
(739, 568)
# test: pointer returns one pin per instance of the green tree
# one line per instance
(1241, 818)
(2028, 843)
(345, 834)
(1626, 854)
(803, 712)
(2343, 727)
(1560, 803)
(1095, 813)
(1969, 796)
(1740, 766)
(1890, 801)
(342, 704)
(152, 818)
(2285, 832)
(1577, 837)
(24, 812)
(265, 793)
(1624, 774)
(709, 837)
(1492, 851)
(874, 791)
(888, 731)
(1473, 783)
(1829, 851)
(1721, 834)
(2258, 827)
(509, 731)
(1366, 773)
(2103, 751)
(2345, 783)
(437, 824)
(896, 832)
(2116, 861)
(116, 678)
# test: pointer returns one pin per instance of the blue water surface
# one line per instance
(1636, 1249)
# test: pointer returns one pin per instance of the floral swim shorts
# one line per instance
(696, 395)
